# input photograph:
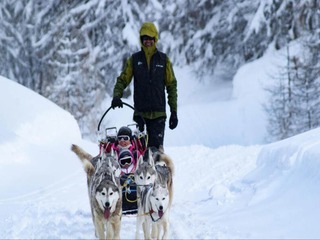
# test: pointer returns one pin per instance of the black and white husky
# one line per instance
(153, 177)
(104, 192)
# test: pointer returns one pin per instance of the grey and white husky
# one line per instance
(153, 177)
(104, 192)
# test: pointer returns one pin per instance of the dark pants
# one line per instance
(155, 131)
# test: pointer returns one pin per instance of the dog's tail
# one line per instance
(169, 163)
(85, 159)
(162, 157)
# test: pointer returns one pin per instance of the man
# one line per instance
(153, 74)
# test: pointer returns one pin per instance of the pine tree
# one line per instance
(280, 107)
(307, 88)
(294, 105)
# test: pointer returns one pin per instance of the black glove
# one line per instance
(140, 122)
(173, 121)
(116, 102)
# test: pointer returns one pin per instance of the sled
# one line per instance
(129, 187)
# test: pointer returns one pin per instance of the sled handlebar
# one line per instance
(126, 104)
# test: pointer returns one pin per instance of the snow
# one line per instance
(228, 183)
(257, 20)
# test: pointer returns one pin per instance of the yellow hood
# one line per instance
(148, 28)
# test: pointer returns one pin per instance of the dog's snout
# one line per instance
(161, 208)
(107, 204)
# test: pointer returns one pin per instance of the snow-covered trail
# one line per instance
(204, 187)
(202, 183)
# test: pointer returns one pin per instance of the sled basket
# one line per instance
(129, 194)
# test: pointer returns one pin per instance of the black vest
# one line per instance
(149, 85)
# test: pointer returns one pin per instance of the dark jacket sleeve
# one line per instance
(171, 85)
(124, 79)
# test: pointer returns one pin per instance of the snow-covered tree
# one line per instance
(280, 107)
(307, 87)
(294, 105)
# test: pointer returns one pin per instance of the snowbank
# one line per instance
(34, 141)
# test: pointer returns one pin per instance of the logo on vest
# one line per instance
(140, 63)
(160, 66)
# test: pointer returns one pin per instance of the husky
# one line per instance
(104, 192)
(153, 213)
(153, 177)
(155, 165)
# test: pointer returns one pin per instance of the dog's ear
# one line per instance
(140, 161)
(99, 162)
(114, 164)
(114, 179)
(150, 158)
(110, 164)
(156, 184)
(101, 178)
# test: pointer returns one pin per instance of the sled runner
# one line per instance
(127, 157)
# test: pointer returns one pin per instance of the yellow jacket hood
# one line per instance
(148, 28)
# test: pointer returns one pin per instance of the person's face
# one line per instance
(124, 140)
(148, 41)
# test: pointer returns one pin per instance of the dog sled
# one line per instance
(108, 142)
